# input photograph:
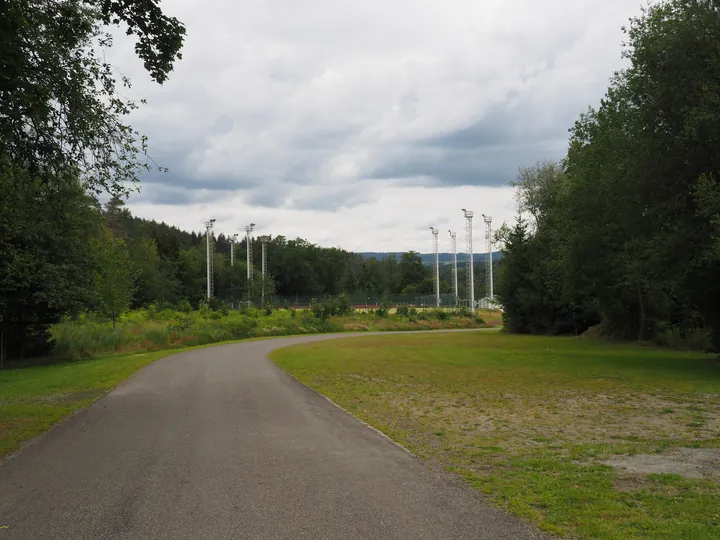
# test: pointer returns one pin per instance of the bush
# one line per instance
(696, 339)
(319, 309)
(403, 311)
(146, 330)
(383, 310)
(440, 315)
(343, 305)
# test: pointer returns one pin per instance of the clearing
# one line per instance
(584, 438)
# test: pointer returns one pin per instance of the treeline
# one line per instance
(63, 141)
(624, 233)
(171, 267)
(63, 253)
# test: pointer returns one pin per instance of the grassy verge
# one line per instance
(34, 398)
(152, 330)
(590, 439)
(36, 395)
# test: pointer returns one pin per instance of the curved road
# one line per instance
(219, 443)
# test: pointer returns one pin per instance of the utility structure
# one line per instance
(233, 239)
(436, 268)
(248, 244)
(263, 243)
(489, 261)
(208, 236)
(453, 236)
(468, 239)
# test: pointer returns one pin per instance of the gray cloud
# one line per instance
(326, 106)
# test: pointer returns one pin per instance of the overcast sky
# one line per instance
(360, 123)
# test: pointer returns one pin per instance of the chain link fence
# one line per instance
(238, 297)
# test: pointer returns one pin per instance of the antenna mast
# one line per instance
(489, 261)
(453, 236)
(468, 239)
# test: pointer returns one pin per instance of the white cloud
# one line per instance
(287, 109)
(395, 217)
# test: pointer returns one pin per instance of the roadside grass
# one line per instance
(36, 397)
(543, 425)
(92, 357)
(153, 329)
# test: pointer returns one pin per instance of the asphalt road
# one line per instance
(219, 443)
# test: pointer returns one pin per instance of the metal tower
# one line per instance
(248, 241)
(455, 283)
(436, 269)
(263, 243)
(209, 241)
(248, 244)
(488, 262)
(233, 239)
(468, 239)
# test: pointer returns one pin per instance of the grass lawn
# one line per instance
(33, 398)
(584, 438)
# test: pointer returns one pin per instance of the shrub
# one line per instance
(403, 311)
(697, 339)
(383, 310)
(440, 315)
(343, 305)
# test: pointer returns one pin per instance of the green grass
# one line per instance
(530, 421)
(36, 394)
(154, 329)
(36, 397)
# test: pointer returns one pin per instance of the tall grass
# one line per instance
(152, 329)
(156, 329)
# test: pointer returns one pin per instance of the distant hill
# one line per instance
(444, 258)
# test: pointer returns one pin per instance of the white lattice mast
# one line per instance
(263, 243)
(468, 239)
(209, 256)
(488, 262)
(453, 236)
(233, 239)
(248, 244)
(436, 266)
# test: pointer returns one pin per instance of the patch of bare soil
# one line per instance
(688, 462)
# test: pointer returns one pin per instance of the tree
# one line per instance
(155, 277)
(412, 270)
(45, 229)
(514, 289)
(59, 106)
(114, 275)
(625, 230)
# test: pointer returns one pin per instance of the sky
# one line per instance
(361, 123)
